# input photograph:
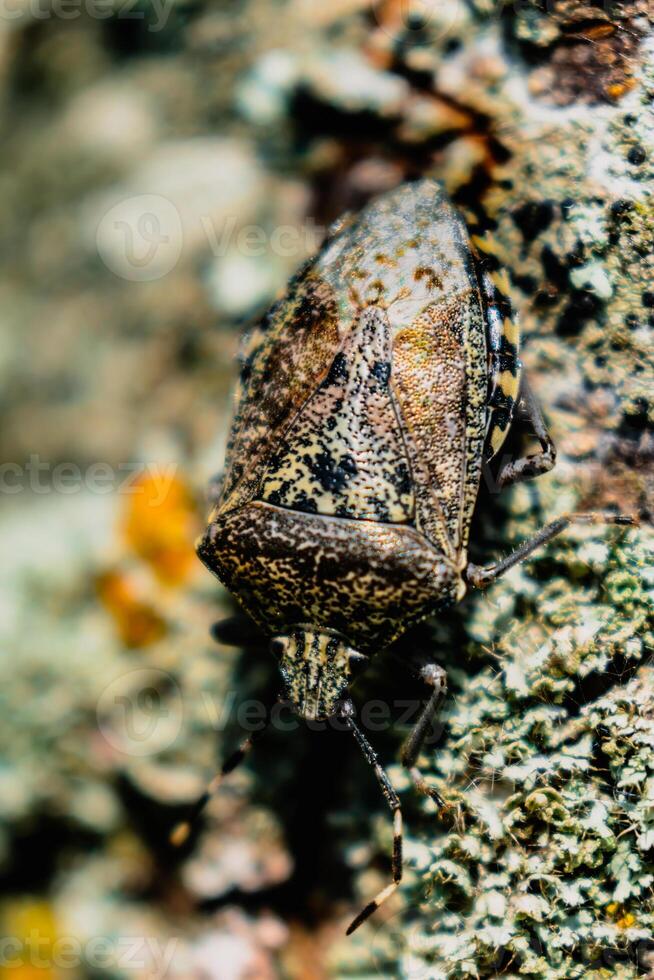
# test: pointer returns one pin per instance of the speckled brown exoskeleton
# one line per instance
(370, 397)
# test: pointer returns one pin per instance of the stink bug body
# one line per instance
(370, 396)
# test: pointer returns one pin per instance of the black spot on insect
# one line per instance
(583, 305)
(648, 299)
(503, 405)
(312, 304)
(485, 260)
(533, 218)
(547, 296)
(555, 270)
(331, 475)
(508, 356)
(635, 418)
(503, 305)
(636, 155)
(381, 370)
(305, 504)
(567, 205)
(276, 459)
(246, 369)
(402, 479)
(526, 283)
(577, 255)
(631, 321)
(274, 498)
(305, 313)
(620, 207)
(338, 370)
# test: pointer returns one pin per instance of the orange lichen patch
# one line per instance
(32, 928)
(626, 921)
(622, 919)
(618, 89)
(137, 622)
(160, 523)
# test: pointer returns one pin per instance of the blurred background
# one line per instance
(166, 165)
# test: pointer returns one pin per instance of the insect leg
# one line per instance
(434, 675)
(181, 832)
(481, 576)
(528, 467)
(393, 801)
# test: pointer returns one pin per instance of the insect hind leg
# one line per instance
(435, 676)
(533, 465)
(182, 831)
(482, 576)
(393, 801)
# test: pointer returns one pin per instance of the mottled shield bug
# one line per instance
(370, 397)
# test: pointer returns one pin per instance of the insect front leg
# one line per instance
(528, 467)
(435, 676)
(182, 831)
(482, 576)
(393, 801)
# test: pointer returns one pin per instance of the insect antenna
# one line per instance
(182, 830)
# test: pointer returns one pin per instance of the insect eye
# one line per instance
(277, 646)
